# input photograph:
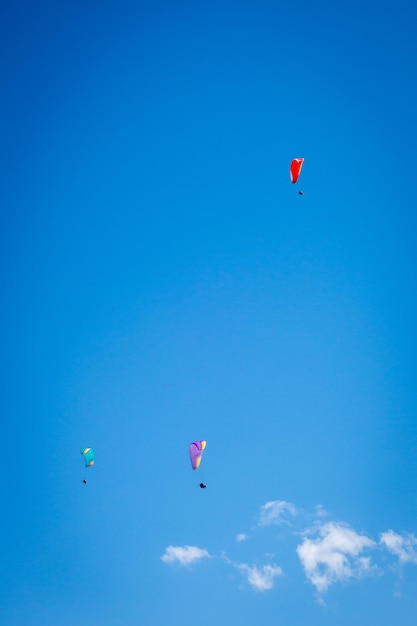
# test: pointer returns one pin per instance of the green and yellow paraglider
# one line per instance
(88, 455)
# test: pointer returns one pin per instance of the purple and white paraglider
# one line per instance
(196, 452)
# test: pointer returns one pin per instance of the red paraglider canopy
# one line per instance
(295, 169)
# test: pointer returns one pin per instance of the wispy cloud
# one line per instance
(261, 578)
(276, 512)
(334, 555)
(184, 555)
(403, 546)
(241, 537)
(320, 511)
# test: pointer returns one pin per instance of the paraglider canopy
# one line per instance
(88, 455)
(196, 452)
(295, 169)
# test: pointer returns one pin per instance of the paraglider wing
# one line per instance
(88, 455)
(196, 452)
(295, 169)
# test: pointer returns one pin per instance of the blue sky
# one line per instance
(162, 281)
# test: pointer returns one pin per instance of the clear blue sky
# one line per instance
(162, 281)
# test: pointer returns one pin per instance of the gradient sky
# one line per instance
(162, 281)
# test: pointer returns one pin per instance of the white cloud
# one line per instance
(330, 552)
(403, 546)
(261, 578)
(276, 512)
(184, 555)
(335, 555)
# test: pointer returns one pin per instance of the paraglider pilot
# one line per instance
(203, 486)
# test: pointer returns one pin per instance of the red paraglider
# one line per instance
(295, 169)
